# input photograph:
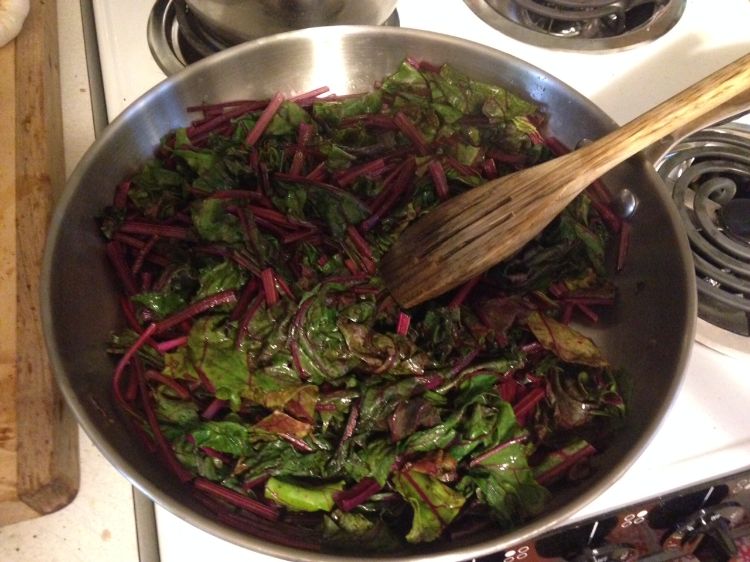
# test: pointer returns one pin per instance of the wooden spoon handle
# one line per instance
(729, 111)
(672, 114)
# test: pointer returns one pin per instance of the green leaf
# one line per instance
(198, 462)
(223, 276)
(224, 436)
(302, 497)
(380, 400)
(434, 504)
(200, 161)
(279, 457)
(438, 437)
(353, 532)
(499, 473)
(375, 460)
(333, 112)
(579, 397)
(565, 342)
(161, 304)
(406, 79)
(182, 413)
(287, 120)
(322, 348)
(379, 352)
(278, 424)
(336, 157)
(335, 207)
(282, 392)
(214, 223)
(509, 488)
(211, 348)
(594, 245)
(156, 190)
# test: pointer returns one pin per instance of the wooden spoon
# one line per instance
(471, 232)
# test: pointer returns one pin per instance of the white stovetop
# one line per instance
(623, 84)
(99, 524)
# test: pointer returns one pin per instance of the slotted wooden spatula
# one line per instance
(470, 233)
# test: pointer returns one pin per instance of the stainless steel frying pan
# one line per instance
(649, 332)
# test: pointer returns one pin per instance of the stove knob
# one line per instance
(713, 523)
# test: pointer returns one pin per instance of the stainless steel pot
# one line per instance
(649, 332)
(241, 20)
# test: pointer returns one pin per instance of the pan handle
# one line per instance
(729, 111)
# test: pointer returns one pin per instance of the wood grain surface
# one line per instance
(39, 470)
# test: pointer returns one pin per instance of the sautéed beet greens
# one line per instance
(267, 366)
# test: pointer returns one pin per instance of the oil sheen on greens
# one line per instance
(304, 387)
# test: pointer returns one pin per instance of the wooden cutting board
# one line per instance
(39, 470)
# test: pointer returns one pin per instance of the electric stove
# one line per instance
(626, 56)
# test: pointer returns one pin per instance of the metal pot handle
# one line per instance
(734, 108)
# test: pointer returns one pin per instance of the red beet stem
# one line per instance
(525, 405)
(268, 280)
(298, 161)
(497, 448)
(437, 173)
(463, 362)
(121, 195)
(362, 246)
(308, 96)
(489, 168)
(613, 222)
(237, 499)
(275, 534)
(141, 257)
(294, 349)
(567, 314)
(556, 147)
(201, 130)
(153, 229)
(598, 191)
(124, 274)
(265, 118)
(130, 353)
(387, 198)
(236, 194)
(407, 127)
(246, 317)
(161, 441)
(459, 167)
(402, 327)
(505, 157)
(248, 292)
(169, 345)
(347, 500)
(593, 316)
(213, 408)
(318, 173)
(370, 168)
(223, 297)
(180, 390)
(283, 286)
(463, 292)
(351, 422)
(568, 462)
